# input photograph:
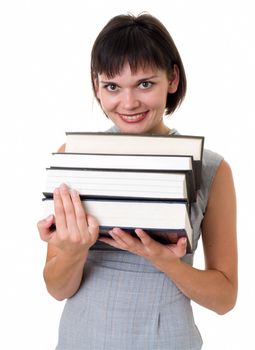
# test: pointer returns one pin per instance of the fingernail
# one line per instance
(56, 191)
(74, 192)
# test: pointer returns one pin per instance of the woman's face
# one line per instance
(136, 102)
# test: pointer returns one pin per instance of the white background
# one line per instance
(45, 91)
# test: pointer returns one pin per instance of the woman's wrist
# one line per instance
(167, 265)
(72, 257)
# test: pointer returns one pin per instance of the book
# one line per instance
(164, 221)
(91, 183)
(121, 161)
(115, 143)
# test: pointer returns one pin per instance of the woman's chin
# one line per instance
(132, 130)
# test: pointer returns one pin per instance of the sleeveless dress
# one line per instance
(125, 303)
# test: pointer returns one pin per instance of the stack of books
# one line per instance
(131, 181)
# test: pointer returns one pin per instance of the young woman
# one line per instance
(139, 297)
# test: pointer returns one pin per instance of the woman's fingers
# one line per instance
(123, 240)
(60, 216)
(44, 227)
(93, 226)
(144, 237)
(79, 211)
(179, 249)
(86, 223)
(146, 246)
(73, 225)
(69, 211)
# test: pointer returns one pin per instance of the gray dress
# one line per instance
(126, 303)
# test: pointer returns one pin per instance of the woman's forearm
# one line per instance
(209, 288)
(63, 275)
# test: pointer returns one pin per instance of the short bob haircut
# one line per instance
(141, 41)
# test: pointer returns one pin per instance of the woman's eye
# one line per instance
(111, 87)
(146, 84)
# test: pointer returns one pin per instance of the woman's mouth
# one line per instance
(133, 118)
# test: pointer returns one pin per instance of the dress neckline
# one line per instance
(114, 129)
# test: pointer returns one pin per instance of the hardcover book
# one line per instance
(164, 221)
(92, 183)
(114, 143)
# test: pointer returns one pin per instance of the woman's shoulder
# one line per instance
(211, 159)
(211, 162)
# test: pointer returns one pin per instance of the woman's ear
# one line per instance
(96, 85)
(174, 81)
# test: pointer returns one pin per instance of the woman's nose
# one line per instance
(130, 100)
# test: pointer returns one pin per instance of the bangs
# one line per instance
(131, 45)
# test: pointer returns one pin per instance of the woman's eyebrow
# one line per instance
(107, 82)
(147, 78)
(138, 81)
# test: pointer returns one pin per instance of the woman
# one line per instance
(139, 297)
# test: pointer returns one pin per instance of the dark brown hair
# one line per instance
(141, 41)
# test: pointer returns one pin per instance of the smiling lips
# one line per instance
(133, 118)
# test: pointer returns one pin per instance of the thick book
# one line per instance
(114, 143)
(91, 183)
(164, 221)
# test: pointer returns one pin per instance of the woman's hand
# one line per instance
(74, 231)
(147, 247)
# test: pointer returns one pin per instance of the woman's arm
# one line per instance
(63, 273)
(216, 286)
(68, 244)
